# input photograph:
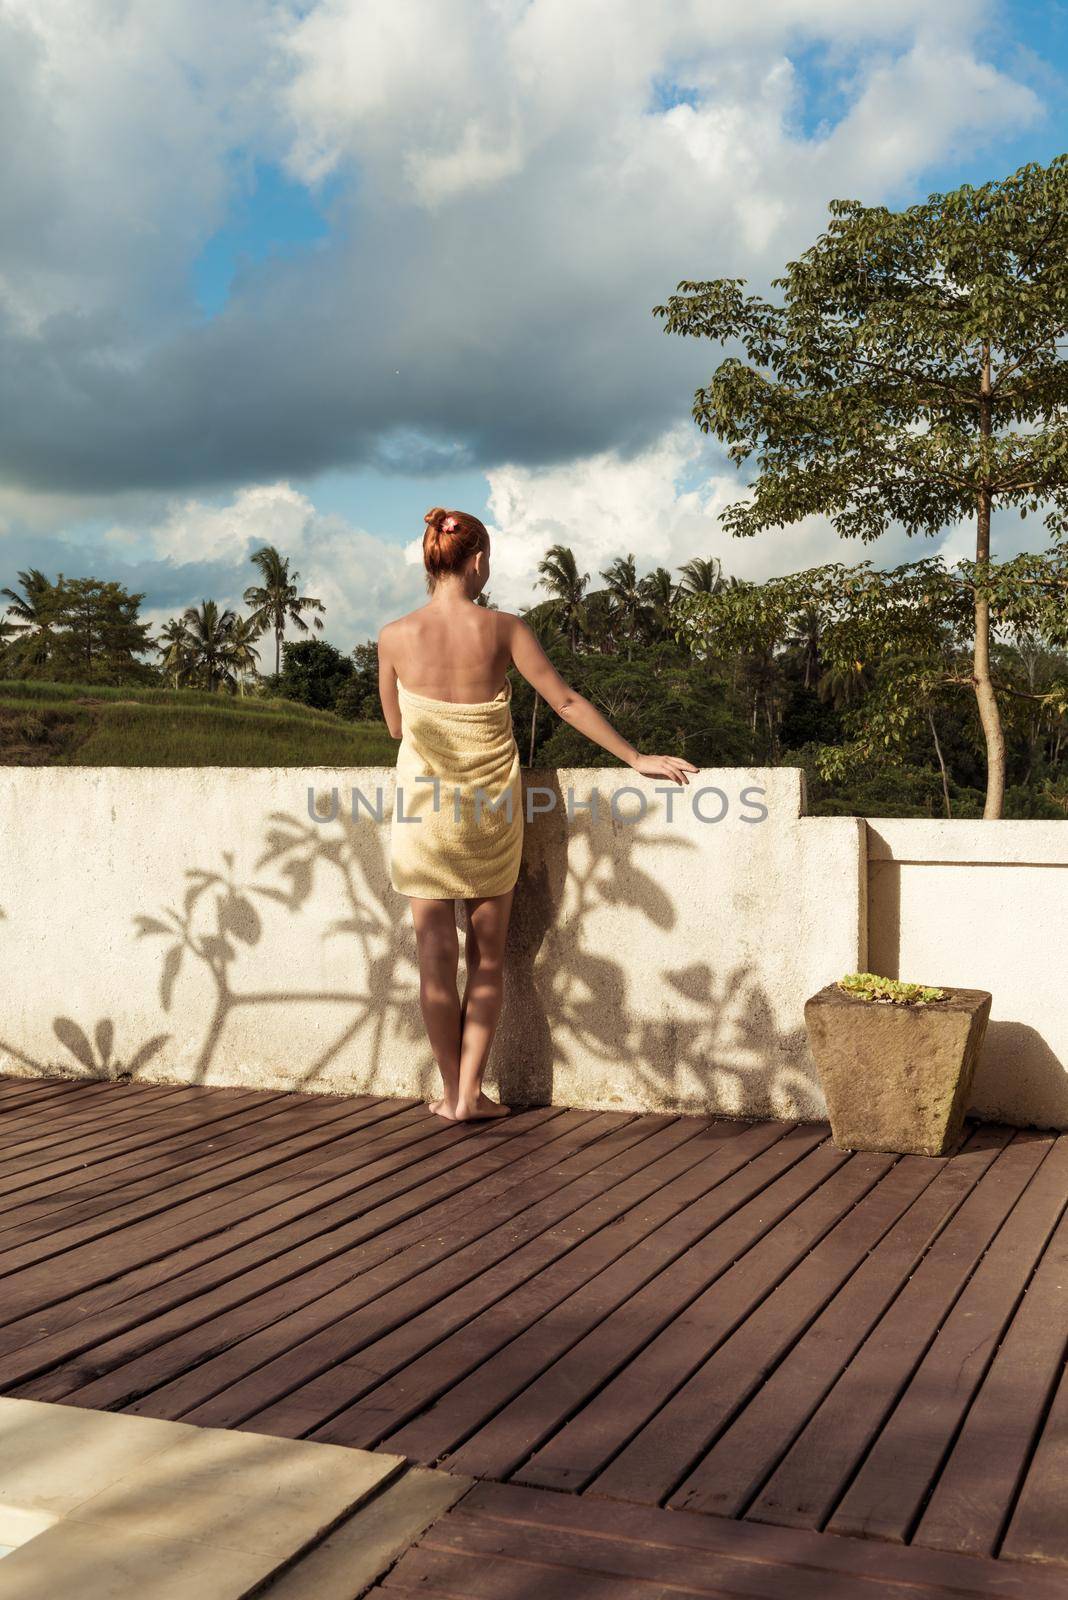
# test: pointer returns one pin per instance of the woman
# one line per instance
(457, 828)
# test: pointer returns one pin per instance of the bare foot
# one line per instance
(483, 1107)
(442, 1108)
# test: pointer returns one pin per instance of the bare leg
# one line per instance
(487, 929)
(439, 955)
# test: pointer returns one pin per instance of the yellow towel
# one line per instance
(461, 837)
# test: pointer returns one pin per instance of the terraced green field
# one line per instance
(65, 724)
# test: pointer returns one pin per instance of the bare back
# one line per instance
(451, 649)
(456, 651)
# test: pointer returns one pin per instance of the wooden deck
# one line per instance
(655, 1314)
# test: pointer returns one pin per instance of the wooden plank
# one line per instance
(290, 1190)
(886, 1495)
(741, 1460)
(195, 1365)
(119, 1112)
(689, 1253)
(732, 1363)
(90, 1250)
(408, 1169)
(307, 1232)
(24, 1177)
(32, 1125)
(685, 1210)
(1038, 1530)
(585, 1446)
(807, 1485)
(22, 1091)
(524, 1280)
(298, 1390)
(794, 1211)
(763, 1550)
(165, 1151)
(975, 1493)
(641, 1205)
(455, 1545)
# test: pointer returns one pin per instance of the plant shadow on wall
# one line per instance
(221, 917)
(568, 1004)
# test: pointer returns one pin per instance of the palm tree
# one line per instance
(276, 602)
(558, 573)
(659, 591)
(628, 596)
(842, 686)
(210, 634)
(804, 636)
(243, 655)
(6, 631)
(30, 616)
(176, 648)
(702, 575)
(544, 623)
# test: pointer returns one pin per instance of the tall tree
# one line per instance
(176, 648)
(702, 575)
(628, 597)
(660, 592)
(313, 673)
(559, 574)
(912, 373)
(276, 601)
(804, 637)
(98, 638)
(31, 616)
(211, 634)
(244, 657)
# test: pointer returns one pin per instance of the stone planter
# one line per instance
(897, 1077)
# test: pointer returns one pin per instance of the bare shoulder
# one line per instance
(510, 626)
(392, 632)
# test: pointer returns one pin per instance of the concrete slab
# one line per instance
(364, 1546)
(130, 1506)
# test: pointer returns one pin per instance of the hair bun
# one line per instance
(449, 539)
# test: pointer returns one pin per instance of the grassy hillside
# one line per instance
(65, 724)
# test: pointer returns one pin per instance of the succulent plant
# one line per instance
(891, 991)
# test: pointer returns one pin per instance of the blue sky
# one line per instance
(296, 273)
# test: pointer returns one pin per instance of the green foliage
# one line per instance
(890, 648)
(911, 372)
(74, 629)
(862, 389)
(888, 991)
(357, 698)
(87, 725)
(313, 672)
(276, 600)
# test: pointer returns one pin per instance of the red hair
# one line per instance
(450, 538)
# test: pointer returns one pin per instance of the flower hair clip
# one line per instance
(448, 525)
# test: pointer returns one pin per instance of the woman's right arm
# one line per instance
(574, 708)
(387, 684)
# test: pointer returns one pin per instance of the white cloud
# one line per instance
(515, 192)
(362, 580)
(606, 506)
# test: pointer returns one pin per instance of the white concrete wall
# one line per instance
(984, 905)
(196, 925)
